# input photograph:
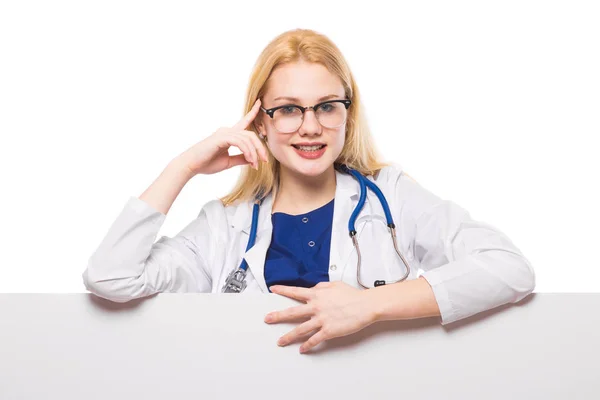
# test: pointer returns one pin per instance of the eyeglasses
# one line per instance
(288, 118)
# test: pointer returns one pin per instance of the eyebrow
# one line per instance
(329, 96)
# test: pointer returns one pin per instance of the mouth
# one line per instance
(310, 152)
(309, 148)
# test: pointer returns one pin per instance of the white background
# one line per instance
(494, 105)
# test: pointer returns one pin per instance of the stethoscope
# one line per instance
(236, 280)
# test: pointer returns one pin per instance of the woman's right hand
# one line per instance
(211, 156)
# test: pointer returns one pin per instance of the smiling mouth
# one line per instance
(309, 148)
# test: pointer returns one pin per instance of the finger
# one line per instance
(294, 292)
(252, 139)
(251, 148)
(241, 143)
(299, 331)
(289, 314)
(260, 147)
(248, 118)
(323, 284)
(238, 159)
(314, 340)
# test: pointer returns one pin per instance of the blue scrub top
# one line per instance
(299, 250)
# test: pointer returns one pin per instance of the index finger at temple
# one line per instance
(259, 145)
(248, 118)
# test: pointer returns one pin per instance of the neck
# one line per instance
(299, 194)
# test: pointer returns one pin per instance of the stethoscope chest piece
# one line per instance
(235, 282)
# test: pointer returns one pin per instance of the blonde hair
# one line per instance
(359, 150)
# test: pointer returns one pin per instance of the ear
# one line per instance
(259, 127)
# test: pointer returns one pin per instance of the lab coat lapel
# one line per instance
(256, 256)
(346, 199)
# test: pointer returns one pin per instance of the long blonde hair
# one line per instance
(359, 150)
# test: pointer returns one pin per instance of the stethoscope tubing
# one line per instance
(364, 183)
(236, 283)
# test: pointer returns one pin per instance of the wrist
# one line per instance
(180, 166)
(375, 304)
(408, 299)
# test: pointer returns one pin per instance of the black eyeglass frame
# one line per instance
(271, 111)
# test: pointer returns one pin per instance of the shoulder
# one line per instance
(221, 216)
(406, 191)
(391, 174)
(213, 209)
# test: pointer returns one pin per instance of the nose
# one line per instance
(310, 124)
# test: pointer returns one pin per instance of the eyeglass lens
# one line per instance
(289, 119)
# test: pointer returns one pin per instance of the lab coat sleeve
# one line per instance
(129, 264)
(471, 265)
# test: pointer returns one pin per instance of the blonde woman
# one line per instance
(303, 220)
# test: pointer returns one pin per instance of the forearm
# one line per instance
(161, 194)
(408, 299)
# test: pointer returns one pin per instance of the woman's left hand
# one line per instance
(334, 309)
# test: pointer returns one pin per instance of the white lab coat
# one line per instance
(470, 265)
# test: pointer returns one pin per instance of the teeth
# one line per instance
(309, 148)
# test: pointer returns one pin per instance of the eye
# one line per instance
(287, 109)
(327, 107)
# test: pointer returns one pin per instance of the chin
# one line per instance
(308, 167)
(312, 170)
(311, 167)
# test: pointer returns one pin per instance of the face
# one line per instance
(308, 83)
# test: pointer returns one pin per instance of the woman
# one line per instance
(296, 159)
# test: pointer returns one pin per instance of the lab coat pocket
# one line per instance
(251, 283)
(232, 260)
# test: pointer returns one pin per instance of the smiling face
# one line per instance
(309, 84)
